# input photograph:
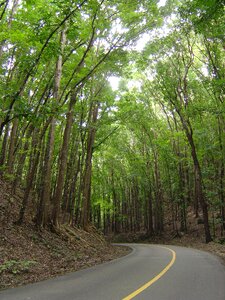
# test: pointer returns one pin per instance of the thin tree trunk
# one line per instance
(88, 170)
(72, 208)
(11, 154)
(150, 213)
(4, 148)
(62, 164)
(30, 177)
(44, 203)
(198, 177)
(22, 158)
(158, 197)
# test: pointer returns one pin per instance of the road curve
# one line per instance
(149, 272)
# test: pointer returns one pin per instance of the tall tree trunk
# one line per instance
(71, 178)
(198, 178)
(73, 204)
(44, 203)
(30, 176)
(22, 158)
(62, 165)
(158, 196)
(43, 210)
(150, 213)
(149, 198)
(181, 107)
(12, 146)
(4, 149)
(80, 188)
(88, 169)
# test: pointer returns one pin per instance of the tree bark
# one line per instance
(30, 176)
(12, 146)
(85, 213)
(4, 148)
(198, 178)
(43, 210)
(22, 158)
(62, 166)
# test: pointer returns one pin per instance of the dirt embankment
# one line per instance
(28, 255)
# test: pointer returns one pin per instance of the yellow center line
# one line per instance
(157, 277)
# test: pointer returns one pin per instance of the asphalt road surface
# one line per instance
(149, 272)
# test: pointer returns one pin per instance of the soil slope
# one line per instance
(28, 255)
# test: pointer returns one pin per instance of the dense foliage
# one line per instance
(135, 158)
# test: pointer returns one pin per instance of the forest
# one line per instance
(112, 113)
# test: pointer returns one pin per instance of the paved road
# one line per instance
(149, 272)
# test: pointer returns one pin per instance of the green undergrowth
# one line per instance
(17, 266)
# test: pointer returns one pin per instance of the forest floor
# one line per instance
(28, 255)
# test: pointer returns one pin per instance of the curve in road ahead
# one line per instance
(149, 272)
(157, 277)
